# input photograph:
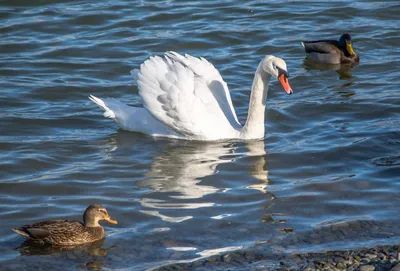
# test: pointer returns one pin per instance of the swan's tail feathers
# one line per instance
(108, 113)
(121, 113)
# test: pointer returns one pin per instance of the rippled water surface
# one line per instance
(325, 177)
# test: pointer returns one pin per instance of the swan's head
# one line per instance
(276, 67)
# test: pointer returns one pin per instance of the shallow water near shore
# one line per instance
(326, 176)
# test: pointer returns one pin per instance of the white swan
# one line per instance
(186, 97)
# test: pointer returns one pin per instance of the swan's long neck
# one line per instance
(254, 127)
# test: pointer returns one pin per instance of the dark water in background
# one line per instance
(330, 159)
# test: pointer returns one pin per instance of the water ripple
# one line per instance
(327, 169)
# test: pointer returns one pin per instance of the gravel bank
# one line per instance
(379, 258)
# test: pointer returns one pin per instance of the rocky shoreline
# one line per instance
(380, 258)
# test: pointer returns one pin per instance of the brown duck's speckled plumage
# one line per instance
(67, 232)
(61, 232)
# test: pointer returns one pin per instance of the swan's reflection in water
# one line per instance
(177, 171)
(258, 169)
(178, 168)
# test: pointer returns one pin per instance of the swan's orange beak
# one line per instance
(285, 83)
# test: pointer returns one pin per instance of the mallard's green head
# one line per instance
(94, 213)
(345, 42)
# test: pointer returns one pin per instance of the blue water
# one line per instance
(330, 154)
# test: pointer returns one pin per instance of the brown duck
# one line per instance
(67, 232)
(332, 51)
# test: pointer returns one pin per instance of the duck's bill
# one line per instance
(112, 221)
(349, 48)
(285, 83)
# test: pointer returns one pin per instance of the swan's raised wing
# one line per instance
(187, 94)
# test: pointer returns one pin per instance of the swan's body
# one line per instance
(186, 97)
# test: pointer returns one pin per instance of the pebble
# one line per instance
(370, 256)
(367, 268)
(338, 259)
(381, 256)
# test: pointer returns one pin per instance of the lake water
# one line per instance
(325, 177)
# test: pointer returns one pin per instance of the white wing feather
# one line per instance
(187, 94)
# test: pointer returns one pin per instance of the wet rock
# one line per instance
(367, 268)
(371, 259)
(370, 256)
(364, 260)
(340, 226)
(396, 267)
(329, 266)
(309, 267)
(381, 256)
(338, 260)
(211, 260)
(250, 255)
(227, 258)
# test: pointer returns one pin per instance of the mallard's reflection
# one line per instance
(343, 70)
(92, 249)
(96, 264)
(178, 168)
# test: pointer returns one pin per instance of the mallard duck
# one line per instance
(67, 232)
(332, 51)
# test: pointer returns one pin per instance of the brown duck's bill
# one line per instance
(112, 221)
(285, 83)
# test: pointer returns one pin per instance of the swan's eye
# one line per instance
(282, 71)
